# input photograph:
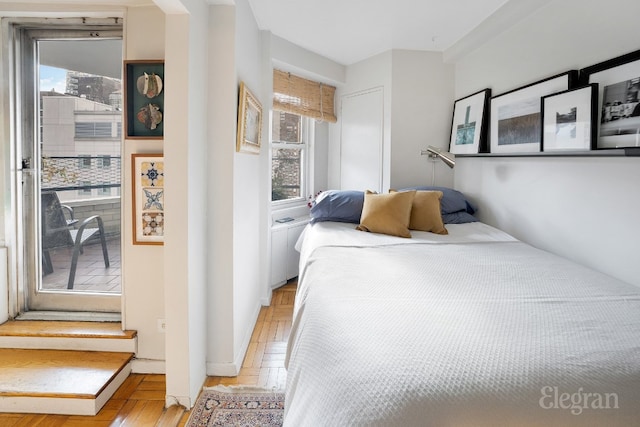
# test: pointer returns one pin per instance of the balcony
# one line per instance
(89, 186)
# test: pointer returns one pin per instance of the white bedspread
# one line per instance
(470, 329)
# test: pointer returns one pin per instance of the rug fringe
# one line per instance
(243, 389)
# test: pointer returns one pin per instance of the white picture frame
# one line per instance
(569, 119)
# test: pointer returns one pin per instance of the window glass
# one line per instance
(288, 147)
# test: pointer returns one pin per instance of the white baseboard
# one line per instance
(148, 366)
(222, 369)
(232, 369)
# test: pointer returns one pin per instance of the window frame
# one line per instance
(84, 161)
(307, 126)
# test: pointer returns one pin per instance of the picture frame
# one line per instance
(569, 120)
(249, 122)
(143, 100)
(618, 122)
(469, 123)
(148, 198)
(516, 125)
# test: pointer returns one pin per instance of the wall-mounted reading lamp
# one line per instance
(435, 153)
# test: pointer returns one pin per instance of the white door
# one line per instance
(361, 142)
(68, 124)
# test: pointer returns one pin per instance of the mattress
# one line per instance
(474, 328)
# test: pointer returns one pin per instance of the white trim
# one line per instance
(62, 343)
(184, 401)
(233, 368)
(148, 366)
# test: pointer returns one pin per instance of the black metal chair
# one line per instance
(58, 231)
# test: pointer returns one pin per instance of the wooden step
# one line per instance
(60, 381)
(65, 335)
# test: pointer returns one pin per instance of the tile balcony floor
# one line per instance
(91, 274)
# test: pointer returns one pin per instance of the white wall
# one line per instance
(249, 199)
(142, 271)
(223, 98)
(422, 89)
(418, 92)
(185, 264)
(584, 209)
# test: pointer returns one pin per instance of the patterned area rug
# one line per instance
(237, 406)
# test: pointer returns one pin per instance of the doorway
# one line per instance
(68, 141)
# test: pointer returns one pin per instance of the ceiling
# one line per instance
(348, 31)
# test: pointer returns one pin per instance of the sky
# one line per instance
(52, 78)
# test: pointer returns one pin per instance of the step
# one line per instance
(60, 381)
(66, 335)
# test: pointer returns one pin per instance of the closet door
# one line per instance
(361, 140)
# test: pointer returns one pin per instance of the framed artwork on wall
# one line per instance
(143, 100)
(569, 119)
(515, 116)
(148, 199)
(469, 123)
(618, 122)
(249, 122)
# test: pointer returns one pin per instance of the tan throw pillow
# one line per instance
(425, 212)
(387, 213)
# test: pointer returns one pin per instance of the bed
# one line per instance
(471, 328)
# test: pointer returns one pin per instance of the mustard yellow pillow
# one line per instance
(425, 212)
(387, 213)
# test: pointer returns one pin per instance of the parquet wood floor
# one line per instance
(140, 400)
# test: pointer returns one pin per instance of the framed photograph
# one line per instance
(569, 119)
(249, 122)
(618, 100)
(469, 124)
(143, 100)
(515, 116)
(148, 199)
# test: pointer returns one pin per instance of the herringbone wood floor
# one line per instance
(139, 402)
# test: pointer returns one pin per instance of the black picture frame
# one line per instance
(618, 120)
(569, 120)
(515, 115)
(469, 123)
(143, 112)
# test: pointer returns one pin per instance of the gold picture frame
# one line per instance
(148, 199)
(249, 122)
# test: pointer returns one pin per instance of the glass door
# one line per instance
(71, 130)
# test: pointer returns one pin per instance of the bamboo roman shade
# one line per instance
(297, 95)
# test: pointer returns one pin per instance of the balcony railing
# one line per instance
(80, 172)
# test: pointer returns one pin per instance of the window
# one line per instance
(93, 129)
(104, 191)
(104, 161)
(85, 191)
(289, 153)
(84, 161)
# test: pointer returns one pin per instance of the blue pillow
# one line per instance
(338, 206)
(461, 217)
(452, 200)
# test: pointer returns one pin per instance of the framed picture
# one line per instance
(569, 119)
(515, 115)
(143, 101)
(469, 124)
(148, 199)
(249, 122)
(618, 100)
